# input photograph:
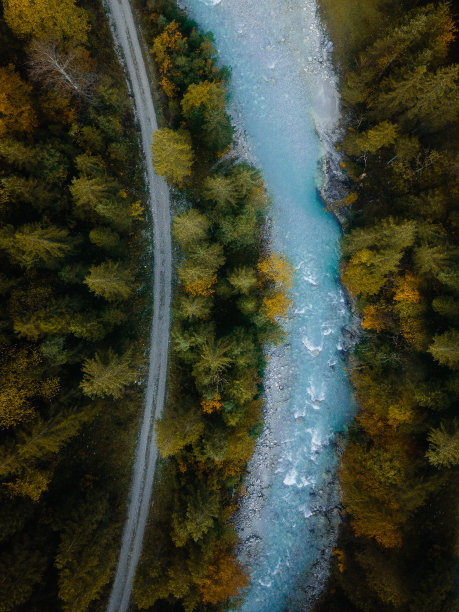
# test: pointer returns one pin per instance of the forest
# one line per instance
(75, 295)
(230, 294)
(398, 546)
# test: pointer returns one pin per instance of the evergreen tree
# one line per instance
(215, 356)
(443, 447)
(447, 306)
(195, 307)
(203, 105)
(202, 507)
(222, 190)
(190, 228)
(33, 244)
(178, 428)
(368, 268)
(110, 280)
(445, 348)
(382, 135)
(244, 280)
(17, 154)
(105, 238)
(86, 557)
(439, 103)
(92, 191)
(22, 565)
(431, 260)
(108, 376)
(20, 384)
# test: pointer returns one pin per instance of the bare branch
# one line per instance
(59, 71)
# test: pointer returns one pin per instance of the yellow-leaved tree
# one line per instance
(172, 155)
(209, 96)
(47, 19)
(276, 275)
(16, 113)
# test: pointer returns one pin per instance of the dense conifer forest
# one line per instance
(399, 85)
(75, 290)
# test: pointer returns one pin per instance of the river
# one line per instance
(283, 94)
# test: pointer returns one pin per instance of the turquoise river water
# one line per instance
(283, 95)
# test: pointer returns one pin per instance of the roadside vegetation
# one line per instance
(74, 287)
(398, 473)
(231, 293)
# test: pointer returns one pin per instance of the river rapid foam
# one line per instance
(284, 97)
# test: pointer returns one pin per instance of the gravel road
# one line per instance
(124, 30)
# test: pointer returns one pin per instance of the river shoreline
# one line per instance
(320, 499)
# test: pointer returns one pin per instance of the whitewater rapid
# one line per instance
(284, 96)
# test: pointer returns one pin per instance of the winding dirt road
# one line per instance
(124, 30)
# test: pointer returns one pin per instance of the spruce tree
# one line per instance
(110, 280)
(107, 376)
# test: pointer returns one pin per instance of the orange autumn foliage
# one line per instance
(203, 286)
(169, 88)
(387, 534)
(228, 511)
(16, 113)
(182, 465)
(375, 426)
(407, 290)
(341, 559)
(58, 108)
(163, 46)
(275, 272)
(447, 34)
(224, 578)
(373, 318)
(350, 199)
(276, 306)
(213, 405)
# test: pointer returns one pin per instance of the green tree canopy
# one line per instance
(190, 227)
(244, 279)
(177, 428)
(445, 348)
(107, 376)
(91, 191)
(110, 280)
(443, 446)
(202, 507)
(203, 105)
(34, 244)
